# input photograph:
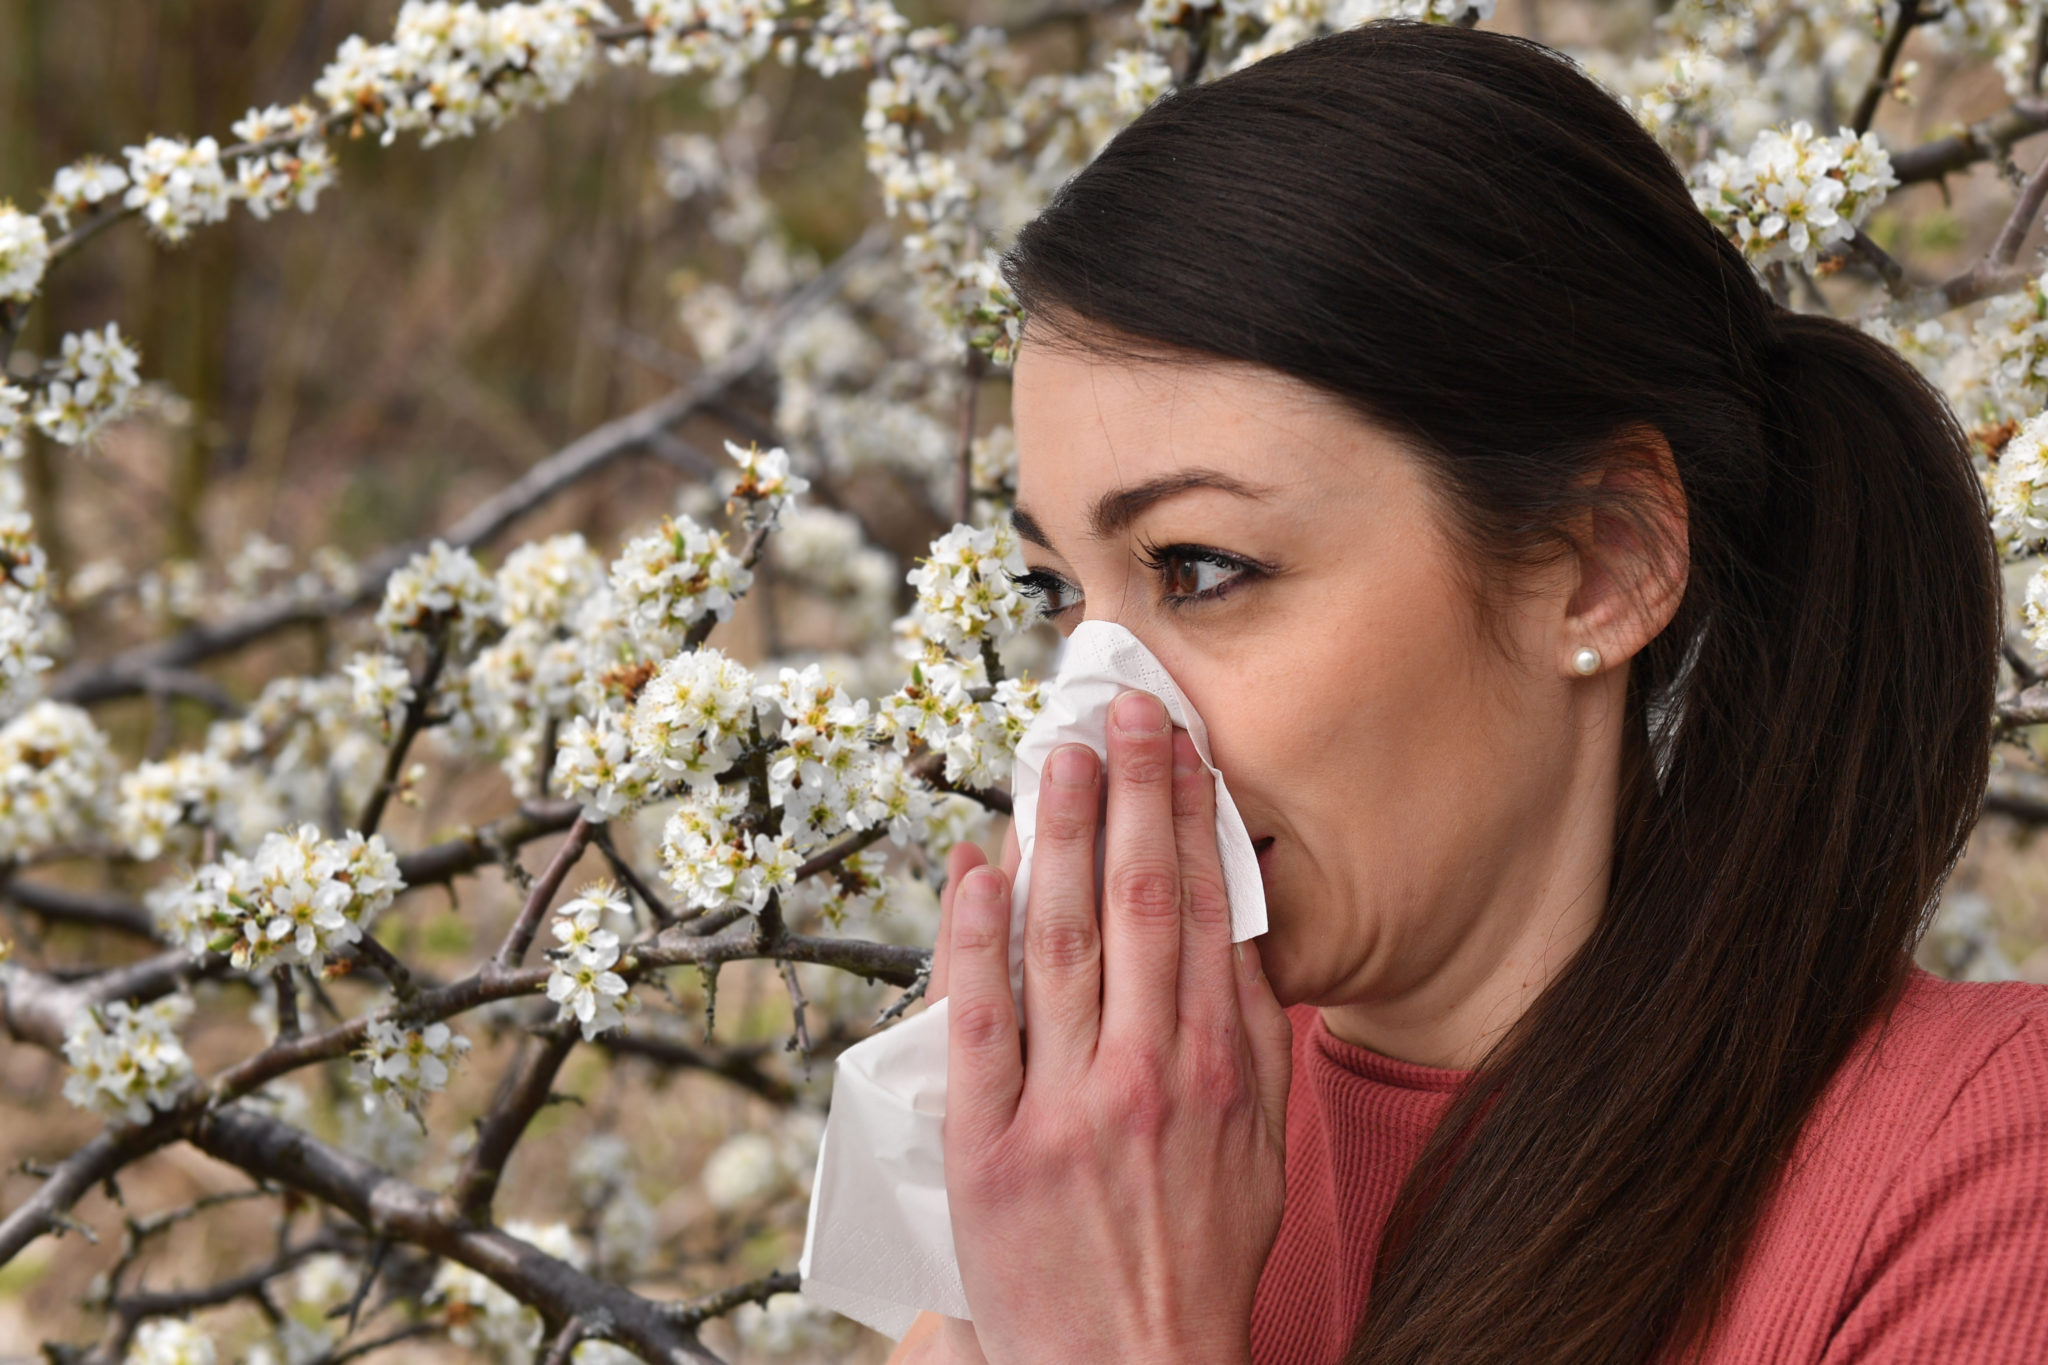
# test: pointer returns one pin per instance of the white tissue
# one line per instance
(878, 1246)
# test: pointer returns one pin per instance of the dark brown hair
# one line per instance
(1467, 239)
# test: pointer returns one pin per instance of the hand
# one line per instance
(1114, 1199)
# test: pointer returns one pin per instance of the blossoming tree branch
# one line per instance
(792, 807)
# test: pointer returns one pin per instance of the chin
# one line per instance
(1273, 962)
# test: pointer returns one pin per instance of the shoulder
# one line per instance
(1943, 1114)
(1953, 1054)
(1952, 1082)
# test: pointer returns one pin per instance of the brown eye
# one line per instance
(1187, 573)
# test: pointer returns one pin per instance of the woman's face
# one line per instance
(1419, 795)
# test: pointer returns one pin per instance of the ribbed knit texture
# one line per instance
(1912, 1224)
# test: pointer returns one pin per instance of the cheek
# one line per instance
(1362, 737)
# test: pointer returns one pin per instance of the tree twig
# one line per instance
(520, 937)
(1880, 80)
(391, 1207)
(526, 1091)
(415, 720)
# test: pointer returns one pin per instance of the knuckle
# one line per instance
(1214, 1080)
(1146, 892)
(1144, 763)
(979, 1024)
(1136, 1066)
(1062, 1149)
(1061, 944)
(986, 1177)
(1192, 793)
(1066, 820)
(1142, 1109)
(1207, 901)
(976, 935)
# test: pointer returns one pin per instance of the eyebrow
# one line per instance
(1119, 507)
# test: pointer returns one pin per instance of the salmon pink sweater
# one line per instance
(1912, 1224)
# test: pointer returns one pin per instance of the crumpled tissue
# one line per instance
(878, 1245)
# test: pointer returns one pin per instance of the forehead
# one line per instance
(1087, 423)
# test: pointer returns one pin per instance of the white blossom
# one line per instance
(783, 1325)
(401, 1064)
(667, 582)
(966, 589)
(13, 420)
(827, 550)
(298, 900)
(742, 1170)
(452, 68)
(169, 1341)
(126, 1060)
(583, 982)
(438, 589)
(693, 717)
(1794, 192)
(2019, 489)
(380, 690)
(2010, 341)
(545, 581)
(24, 253)
(1141, 76)
(712, 861)
(178, 185)
(82, 185)
(597, 765)
(722, 37)
(166, 804)
(96, 376)
(283, 177)
(293, 1343)
(766, 485)
(56, 776)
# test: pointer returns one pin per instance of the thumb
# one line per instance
(1270, 1034)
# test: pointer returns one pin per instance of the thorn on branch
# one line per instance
(697, 1312)
(800, 1040)
(911, 995)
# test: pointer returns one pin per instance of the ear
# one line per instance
(1632, 554)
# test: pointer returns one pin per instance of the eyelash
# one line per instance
(1042, 585)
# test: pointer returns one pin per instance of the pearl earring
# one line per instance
(1587, 661)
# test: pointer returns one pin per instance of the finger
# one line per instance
(960, 859)
(1062, 935)
(1013, 856)
(984, 1061)
(1208, 996)
(1270, 1034)
(1141, 881)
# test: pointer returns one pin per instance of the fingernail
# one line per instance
(1073, 765)
(1186, 762)
(1139, 713)
(981, 885)
(1247, 961)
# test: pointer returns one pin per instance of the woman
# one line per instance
(1602, 659)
